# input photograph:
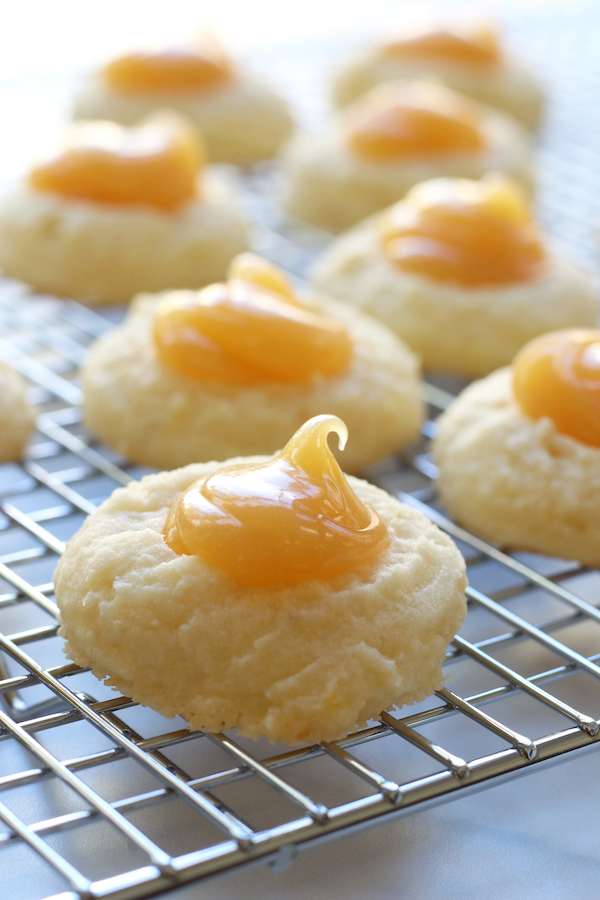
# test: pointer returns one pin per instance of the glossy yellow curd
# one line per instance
(558, 376)
(469, 233)
(248, 331)
(396, 122)
(293, 518)
(155, 164)
(477, 47)
(185, 70)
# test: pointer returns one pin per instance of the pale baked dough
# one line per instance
(509, 86)
(331, 187)
(102, 253)
(155, 416)
(241, 122)
(299, 663)
(516, 481)
(469, 331)
(17, 415)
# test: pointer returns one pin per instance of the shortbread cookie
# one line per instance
(99, 253)
(120, 211)
(17, 415)
(160, 417)
(517, 481)
(482, 71)
(298, 663)
(240, 115)
(469, 330)
(329, 184)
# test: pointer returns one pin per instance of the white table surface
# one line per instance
(537, 837)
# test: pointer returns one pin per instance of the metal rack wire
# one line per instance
(161, 806)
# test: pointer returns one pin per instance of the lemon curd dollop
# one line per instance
(155, 164)
(201, 68)
(558, 376)
(293, 518)
(395, 122)
(476, 47)
(248, 331)
(469, 233)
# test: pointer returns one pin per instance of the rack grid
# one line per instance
(101, 798)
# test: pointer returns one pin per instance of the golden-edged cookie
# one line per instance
(17, 415)
(515, 480)
(299, 662)
(241, 116)
(332, 184)
(120, 211)
(433, 293)
(469, 60)
(161, 417)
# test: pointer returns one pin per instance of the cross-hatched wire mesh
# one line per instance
(100, 797)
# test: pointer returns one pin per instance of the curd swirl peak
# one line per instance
(293, 518)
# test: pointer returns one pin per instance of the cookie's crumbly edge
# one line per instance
(17, 415)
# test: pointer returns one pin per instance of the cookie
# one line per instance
(241, 116)
(125, 210)
(516, 480)
(17, 415)
(468, 328)
(470, 61)
(159, 416)
(328, 183)
(299, 663)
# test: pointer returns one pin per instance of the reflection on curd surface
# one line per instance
(177, 70)
(477, 47)
(156, 164)
(558, 376)
(248, 331)
(395, 122)
(469, 233)
(293, 518)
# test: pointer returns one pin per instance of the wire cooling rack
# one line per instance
(102, 798)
